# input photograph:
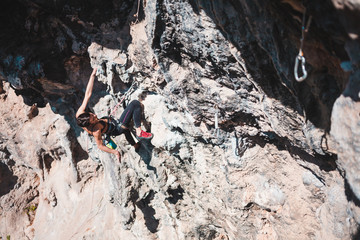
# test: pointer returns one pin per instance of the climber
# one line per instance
(108, 126)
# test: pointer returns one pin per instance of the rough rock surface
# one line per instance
(281, 162)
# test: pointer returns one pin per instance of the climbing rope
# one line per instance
(300, 57)
(126, 94)
(122, 99)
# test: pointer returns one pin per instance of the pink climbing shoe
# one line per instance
(144, 135)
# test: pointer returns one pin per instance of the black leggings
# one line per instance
(129, 137)
(132, 111)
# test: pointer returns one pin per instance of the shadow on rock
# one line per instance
(175, 195)
(350, 196)
(145, 153)
(357, 234)
(78, 153)
(7, 179)
(149, 212)
(325, 162)
(269, 54)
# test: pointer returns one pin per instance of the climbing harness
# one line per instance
(300, 57)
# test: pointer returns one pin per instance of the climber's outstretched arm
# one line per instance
(88, 92)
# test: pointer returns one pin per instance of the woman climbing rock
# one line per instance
(109, 127)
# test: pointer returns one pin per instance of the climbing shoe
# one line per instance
(144, 135)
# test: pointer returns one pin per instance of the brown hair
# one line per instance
(83, 120)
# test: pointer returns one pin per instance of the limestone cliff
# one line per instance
(241, 150)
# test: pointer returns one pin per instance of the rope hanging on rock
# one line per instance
(113, 110)
(300, 57)
(123, 98)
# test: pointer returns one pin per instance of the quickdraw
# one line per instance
(217, 121)
(137, 13)
(300, 57)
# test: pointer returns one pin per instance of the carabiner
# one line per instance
(302, 59)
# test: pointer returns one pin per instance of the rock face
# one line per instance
(240, 149)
